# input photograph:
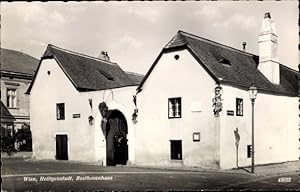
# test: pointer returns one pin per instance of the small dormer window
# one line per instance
(106, 75)
(225, 61)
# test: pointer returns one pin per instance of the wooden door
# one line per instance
(116, 140)
(120, 149)
(62, 147)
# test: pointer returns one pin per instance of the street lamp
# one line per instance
(252, 94)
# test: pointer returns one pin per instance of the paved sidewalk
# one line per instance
(260, 170)
(20, 166)
(276, 168)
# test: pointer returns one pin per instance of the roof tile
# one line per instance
(15, 61)
(242, 70)
(88, 73)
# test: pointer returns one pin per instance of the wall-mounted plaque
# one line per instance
(230, 113)
(76, 115)
(196, 136)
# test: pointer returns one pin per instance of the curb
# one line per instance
(200, 170)
(261, 170)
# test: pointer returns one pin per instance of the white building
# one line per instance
(183, 122)
(66, 120)
(192, 106)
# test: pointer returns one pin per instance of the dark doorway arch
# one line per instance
(116, 139)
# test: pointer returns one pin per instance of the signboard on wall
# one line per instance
(76, 115)
(230, 113)
(196, 107)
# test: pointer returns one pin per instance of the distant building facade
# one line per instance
(17, 70)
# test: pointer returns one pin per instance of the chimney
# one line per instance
(244, 46)
(268, 50)
(104, 56)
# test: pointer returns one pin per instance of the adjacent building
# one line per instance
(17, 70)
(203, 109)
(82, 108)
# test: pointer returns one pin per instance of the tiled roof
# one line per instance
(231, 66)
(135, 77)
(15, 61)
(88, 73)
(5, 112)
(289, 79)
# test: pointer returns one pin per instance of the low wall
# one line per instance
(17, 155)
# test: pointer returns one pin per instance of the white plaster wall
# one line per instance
(116, 99)
(46, 92)
(85, 142)
(187, 79)
(276, 128)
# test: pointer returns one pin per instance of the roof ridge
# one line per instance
(82, 55)
(16, 72)
(134, 73)
(16, 51)
(174, 38)
(216, 43)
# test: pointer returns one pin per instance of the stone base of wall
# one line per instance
(24, 155)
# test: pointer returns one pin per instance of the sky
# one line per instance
(134, 33)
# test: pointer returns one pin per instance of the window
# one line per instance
(175, 107)
(225, 62)
(105, 75)
(249, 148)
(176, 150)
(239, 107)
(11, 98)
(60, 111)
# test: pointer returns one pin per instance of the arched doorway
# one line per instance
(116, 139)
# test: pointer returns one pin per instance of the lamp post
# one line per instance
(252, 94)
